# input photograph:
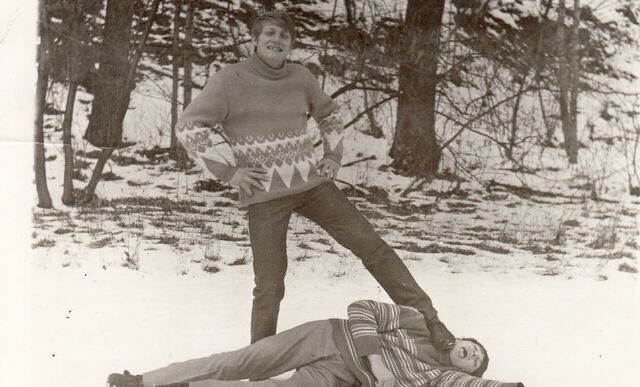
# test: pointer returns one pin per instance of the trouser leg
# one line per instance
(322, 373)
(268, 224)
(328, 207)
(271, 356)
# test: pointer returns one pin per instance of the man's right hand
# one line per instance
(246, 178)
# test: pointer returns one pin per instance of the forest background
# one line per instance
(493, 143)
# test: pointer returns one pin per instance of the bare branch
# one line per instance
(477, 117)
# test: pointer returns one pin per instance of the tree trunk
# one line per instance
(350, 8)
(564, 83)
(181, 154)
(415, 149)
(112, 89)
(67, 192)
(374, 129)
(514, 119)
(268, 5)
(188, 52)
(90, 189)
(44, 198)
(574, 62)
(175, 77)
(73, 66)
(105, 124)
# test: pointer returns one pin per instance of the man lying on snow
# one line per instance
(381, 345)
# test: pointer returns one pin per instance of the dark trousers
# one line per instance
(329, 208)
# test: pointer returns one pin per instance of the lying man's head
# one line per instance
(469, 356)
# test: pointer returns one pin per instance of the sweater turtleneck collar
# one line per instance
(263, 69)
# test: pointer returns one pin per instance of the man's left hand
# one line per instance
(328, 168)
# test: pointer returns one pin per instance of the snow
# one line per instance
(539, 330)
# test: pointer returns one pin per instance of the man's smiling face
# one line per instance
(273, 44)
(466, 356)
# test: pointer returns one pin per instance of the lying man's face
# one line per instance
(466, 356)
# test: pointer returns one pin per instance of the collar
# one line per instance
(264, 70)
(444, 358)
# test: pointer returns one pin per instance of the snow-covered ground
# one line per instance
(544, 331)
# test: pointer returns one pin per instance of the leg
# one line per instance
(323, 373)
(266, 358)
(268, 224)
(331, 210)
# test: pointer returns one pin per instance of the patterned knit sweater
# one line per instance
(262, 113)
(400, 335)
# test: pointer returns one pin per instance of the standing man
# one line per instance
(262, 105)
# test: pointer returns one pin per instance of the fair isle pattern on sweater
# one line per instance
(392, 331)
(332, 129)
(197, 140)
(281, 154)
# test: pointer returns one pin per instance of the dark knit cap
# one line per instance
(280, 18)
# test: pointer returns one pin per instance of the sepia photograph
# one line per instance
(320, 193)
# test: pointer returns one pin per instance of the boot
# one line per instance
(440, 335)
(125, 379)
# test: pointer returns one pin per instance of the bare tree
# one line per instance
(44, 198)
(415, 149)
(73, 65)
(568, 76)
(175, 84)
(116, 81)
(188, 53)
(574, 63)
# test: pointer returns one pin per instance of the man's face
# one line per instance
(466, 356)
(273, 44)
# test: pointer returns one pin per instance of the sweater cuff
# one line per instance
(332, 131)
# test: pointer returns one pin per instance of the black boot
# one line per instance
(125, 379)
(440, 335)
